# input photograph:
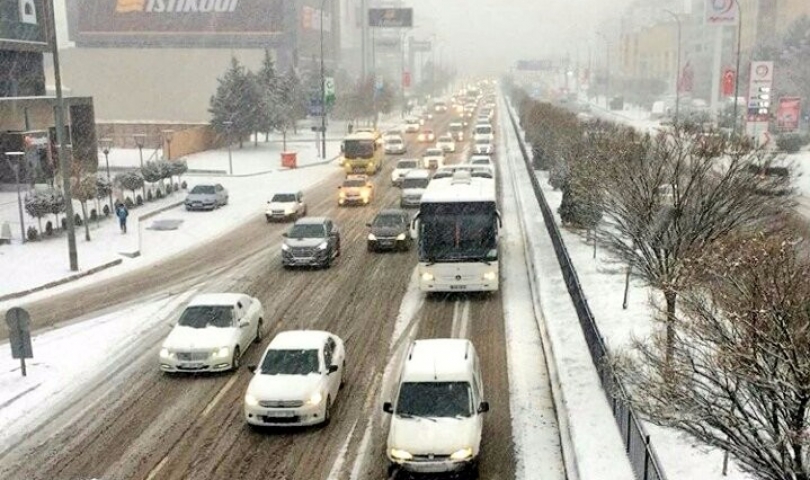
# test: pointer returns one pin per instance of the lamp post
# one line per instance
(323, 85)
(607, 69)
(677, 65)
(140, 141)
(105, 144)
(737, 73)
(228, 124)
(167, 135)
(15, 165)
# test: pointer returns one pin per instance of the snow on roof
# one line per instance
(216, 299)
(453, 189)
(299, 339)
(361, 136)
(418, 173)
(439, 359)
(310, 220)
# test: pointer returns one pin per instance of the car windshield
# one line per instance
(415, 183)
(456, 127)
(458, 232)
(394, 140)
(387, 221)
(407, 164)
(434, 399)
(202, 316)
(433, 152)
(354, 183)
(483, 130)
(283, 197)
(203, 189)
(290, 362)
(307, 231)
(358, 148)
(482, 141)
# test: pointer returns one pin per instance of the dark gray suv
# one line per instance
(390, 230)
(311, 242)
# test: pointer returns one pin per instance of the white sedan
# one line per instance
(213, 333)
(297, 380)
(446, 143)
(433, 158)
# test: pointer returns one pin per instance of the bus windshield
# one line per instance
(358, 148)
(457, 232)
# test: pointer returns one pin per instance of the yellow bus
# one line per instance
(362, 153)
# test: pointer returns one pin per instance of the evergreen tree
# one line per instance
(235, 101)
(268, 84)
(292, 106)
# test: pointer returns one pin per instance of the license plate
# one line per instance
(281, 415)
(192, 364)
(458, 287)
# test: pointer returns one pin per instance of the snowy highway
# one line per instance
(130, 421)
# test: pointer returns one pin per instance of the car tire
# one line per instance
(258, 338)
(343, 374)
(236, 361)
(337, 254)
(370, 247)
(327, 411)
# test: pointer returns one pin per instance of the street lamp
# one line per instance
(167, 135)
(105, 144)
(677, 67)
(15, 165)
(140, 141)
(737, 73)
(228, 124)
(323, 85)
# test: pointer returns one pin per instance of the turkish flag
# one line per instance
(406, 79)
(686, 80)
(727, 85)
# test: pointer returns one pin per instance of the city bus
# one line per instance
(457, 230)
(362, 153)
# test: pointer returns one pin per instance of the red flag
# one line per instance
(728, 82)
(686, 79)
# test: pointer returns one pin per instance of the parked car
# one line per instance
(212, 333)
(286, 206)
(297, 380)
(206, 197)
(446, 143)
(413, 186)
(355, 190)
(312, 241)
(437, 413)
(402, 168)
(389, 231)
(433, 158)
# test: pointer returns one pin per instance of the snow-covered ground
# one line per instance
(257, 174)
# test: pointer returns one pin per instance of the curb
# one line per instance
(160, 210)
(56, 283)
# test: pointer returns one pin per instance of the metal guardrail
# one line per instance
(640, 451)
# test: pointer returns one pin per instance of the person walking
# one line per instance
(122, 213)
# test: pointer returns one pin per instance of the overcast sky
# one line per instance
(487, 36)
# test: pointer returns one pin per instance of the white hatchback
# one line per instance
(297, 380)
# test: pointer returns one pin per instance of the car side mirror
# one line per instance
(251, 368)
(285, 235)
(483, 407)
(368, 225)
(332, 369)
(388, 407)
(244, 323)
(340, 186)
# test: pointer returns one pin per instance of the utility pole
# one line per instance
(323, 88)
(65, 154)
(677, 66)
(737, 72)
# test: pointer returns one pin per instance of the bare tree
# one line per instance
(667, 199)
(737, 375)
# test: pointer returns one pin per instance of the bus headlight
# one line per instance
(428, 277)
(490, 276)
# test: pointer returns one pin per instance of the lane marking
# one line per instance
(158, 468)
(465, 319)
(219, 395)
(363, 451)
(337, 467)
(454, 328)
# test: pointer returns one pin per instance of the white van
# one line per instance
(483, 131)
(437, 412)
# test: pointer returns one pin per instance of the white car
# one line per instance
(483, 146)
(426, 136)
(412, 125)
(297, 380)
(433, 158)
(286, 206)
(446, 143)
(402, 168)
(213, 333)
(484, 160)
(456, 130)
(413, 187)
(437, 413)
(483, 131)
(395, 145)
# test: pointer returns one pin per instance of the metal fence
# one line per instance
(637, 444)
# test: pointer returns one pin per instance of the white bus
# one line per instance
(457, 228)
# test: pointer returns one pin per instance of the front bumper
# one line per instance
(210, 364)
(200, 206)
(320, 258)
(387, 244)
(284, 417)
(395, 151)
(443, 465)
(354, 201)
(279, 217)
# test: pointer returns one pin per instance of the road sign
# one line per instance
(390, 17)
(329, 86)
(19, 335)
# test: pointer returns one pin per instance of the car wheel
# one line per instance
(337, 253)
(258, 337)
(370, 247)
(237, 358)
(343, 374)
(327, 411)
(328, 262)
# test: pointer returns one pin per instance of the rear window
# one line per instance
(354, 183)
(483, 129)
(407, 164)
(432, 152)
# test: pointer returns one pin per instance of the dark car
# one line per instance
(774, 180)
(390, 231)
(311, 242)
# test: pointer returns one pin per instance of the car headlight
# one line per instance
(400, 454)
(428, 277)
(365, 193)
(342, 194)
(222, 352)
(401, 236)
(323, 246)
(251, 401)
(372, 237)
(463, 454)
(166, 353)
(490, 276)
(285, 247)
(315, 398)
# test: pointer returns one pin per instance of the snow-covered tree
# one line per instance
(737, 374)
(39, 204)
(235, 101)
(268, 84)
(131, 180)
(84, 189)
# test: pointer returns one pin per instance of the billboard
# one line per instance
(176, 23)
(390, 17)
(23, 26)
(788, 114)
(721, 12)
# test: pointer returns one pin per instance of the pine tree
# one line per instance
(234, 101)
(269, 86)
(291, 103)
